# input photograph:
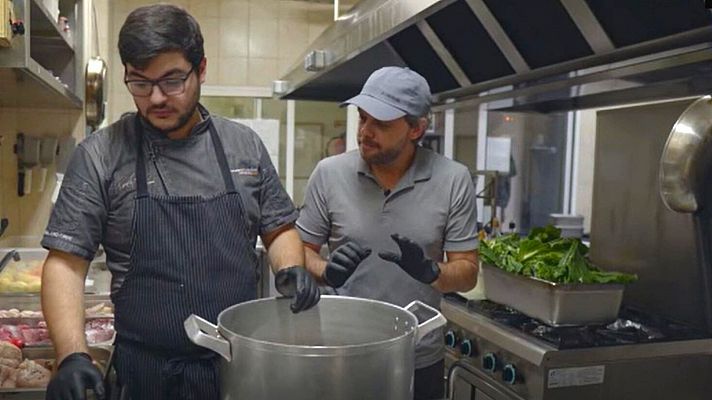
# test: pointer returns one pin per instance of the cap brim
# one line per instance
(375, 108)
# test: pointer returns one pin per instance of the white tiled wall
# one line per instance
(247, 42)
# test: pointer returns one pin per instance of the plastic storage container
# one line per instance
(571, 225)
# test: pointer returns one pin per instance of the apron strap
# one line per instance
(222, 159)
(142, 186)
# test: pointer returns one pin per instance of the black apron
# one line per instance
(189, 255)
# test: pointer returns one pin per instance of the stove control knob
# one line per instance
(450, 339)
(509, 374)
(489, 362)
(466, 348)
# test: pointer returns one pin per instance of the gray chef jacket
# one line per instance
(96, 200)
(433, 204)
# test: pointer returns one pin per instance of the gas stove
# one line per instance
(632, 327)
(495, 352)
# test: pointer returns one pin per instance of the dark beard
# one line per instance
(383, 157)
(182, 120)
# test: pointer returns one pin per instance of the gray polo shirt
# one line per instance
(96, 201)
(433, 204)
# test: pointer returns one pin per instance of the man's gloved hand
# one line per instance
(412, 260)
(76, 375)
(343, 262)
(297, 282)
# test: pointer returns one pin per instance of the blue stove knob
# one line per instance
(466, 348)
(450, 339)
(509, 374)
(489, 362)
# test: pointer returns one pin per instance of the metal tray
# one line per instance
(102, 356)
(31, 301)
(552, 303)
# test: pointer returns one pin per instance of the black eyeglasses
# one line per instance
(169, 86)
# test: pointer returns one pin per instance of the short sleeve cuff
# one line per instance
(290, 218)
(308, 236)
(54, 241)
(461, 245)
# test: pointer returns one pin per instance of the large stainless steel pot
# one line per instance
(686, 158)
(344, 348)
(685, 175)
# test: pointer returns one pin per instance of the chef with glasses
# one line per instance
(177, 198)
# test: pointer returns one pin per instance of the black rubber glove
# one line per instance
(297, 282)
(412, 260)
(75, 375)
(343, 262)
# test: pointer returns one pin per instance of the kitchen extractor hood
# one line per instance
(539, 55)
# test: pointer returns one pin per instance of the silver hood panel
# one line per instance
(465, 48)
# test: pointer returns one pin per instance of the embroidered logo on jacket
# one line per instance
(246, 171)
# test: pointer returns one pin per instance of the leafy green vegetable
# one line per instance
(544, 254)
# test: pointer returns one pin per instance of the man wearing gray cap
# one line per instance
(408, 204)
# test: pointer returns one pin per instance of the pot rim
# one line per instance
(332, 351)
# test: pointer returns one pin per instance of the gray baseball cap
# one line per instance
(393, 92)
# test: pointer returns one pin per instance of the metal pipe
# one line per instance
(575, 163)
(568, 161)
(449, 134)
(11, 255)
(352, 118)
(258, 108)
(289, 173)
(481, 158)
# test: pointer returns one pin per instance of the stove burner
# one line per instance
(631, 327)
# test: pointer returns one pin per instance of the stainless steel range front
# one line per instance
(496, 353)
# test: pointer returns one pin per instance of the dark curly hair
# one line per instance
(151, 30)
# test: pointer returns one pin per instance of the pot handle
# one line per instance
(205, 334)
(433, 319)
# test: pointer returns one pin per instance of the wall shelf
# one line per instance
(44, 26)
(34, 86)
(45, 66)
